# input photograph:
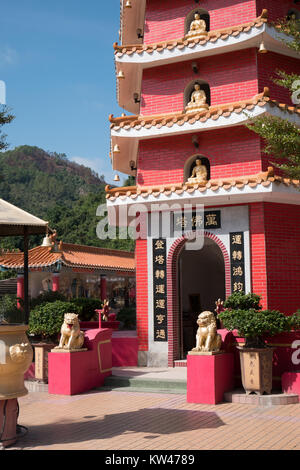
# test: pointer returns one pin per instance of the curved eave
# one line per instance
(266, 191)
(98, 267)
(128, 139)
(132, 65)
(130, 20)
(15, 266)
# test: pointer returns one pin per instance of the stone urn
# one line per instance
(256, 368)
(15, 357)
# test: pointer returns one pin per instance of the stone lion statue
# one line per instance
(207, 338)
(71, 336)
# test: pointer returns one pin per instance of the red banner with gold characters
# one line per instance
(160, 289)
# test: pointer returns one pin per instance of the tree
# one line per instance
(282, 138)
(130, 181)
(5, 118)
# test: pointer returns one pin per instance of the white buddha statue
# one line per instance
(198, 100)
(197, 28)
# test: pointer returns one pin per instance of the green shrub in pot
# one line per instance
(46, 319)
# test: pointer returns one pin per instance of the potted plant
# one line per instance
(45, 323)
(256, 357)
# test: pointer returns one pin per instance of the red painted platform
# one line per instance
(71, 373)
(291, 382)
(125, 346)
(209, 377)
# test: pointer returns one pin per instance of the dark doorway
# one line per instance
(201, 282)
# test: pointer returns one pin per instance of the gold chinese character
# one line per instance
(197, 221)
(160, 289)
(159, 274)
(237, 255)
(237, 239)
(160, 259)
(181, 221)
(160, 303)
(211, 219)
(238, 271)
(159, 245)
(161, 334)
(160, 319)
(238, 287)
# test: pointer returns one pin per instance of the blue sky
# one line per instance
(56, 58)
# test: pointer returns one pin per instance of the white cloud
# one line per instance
(8, 56)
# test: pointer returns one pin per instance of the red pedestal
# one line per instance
(209, 377)
(78, 372)
(8, 422)
(291, 382)
(125, 345)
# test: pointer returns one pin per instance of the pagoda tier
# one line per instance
(166, 20)
(132, 61)
(194, 81)
(130, 133)
(262, 187)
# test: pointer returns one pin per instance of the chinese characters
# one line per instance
(160, 289)
(237, 254)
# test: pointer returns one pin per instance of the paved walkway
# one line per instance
(111, 420)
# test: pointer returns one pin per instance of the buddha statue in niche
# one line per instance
(199, 173)
(197, 28)
(198, 100)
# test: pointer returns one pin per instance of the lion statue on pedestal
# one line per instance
(71, 336)
(207, 338)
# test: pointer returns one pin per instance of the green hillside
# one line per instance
(62, 192)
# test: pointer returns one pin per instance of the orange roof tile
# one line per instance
(212, 36)
(214, 112)
(72, 256)
(265, 178)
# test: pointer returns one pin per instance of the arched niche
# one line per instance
(191, 163)
(191, 87)
(204, 15)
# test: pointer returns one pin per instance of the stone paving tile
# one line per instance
(111, 420)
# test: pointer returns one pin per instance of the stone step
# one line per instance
(180, 363)
(142, 384)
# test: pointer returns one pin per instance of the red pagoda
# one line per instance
(194, 72)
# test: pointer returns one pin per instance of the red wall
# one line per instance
(142, 293)
(258, 251)
(231, 152)
(275, 255)
(231, 77)
(282, 231)
(276, 8)
(267, 66)
(165, 19)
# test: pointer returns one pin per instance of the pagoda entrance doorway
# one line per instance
(201, 281)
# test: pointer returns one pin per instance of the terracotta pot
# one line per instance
(256, 367)
(15, 358)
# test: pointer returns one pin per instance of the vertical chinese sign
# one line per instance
(160, 289)
(237, 253)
